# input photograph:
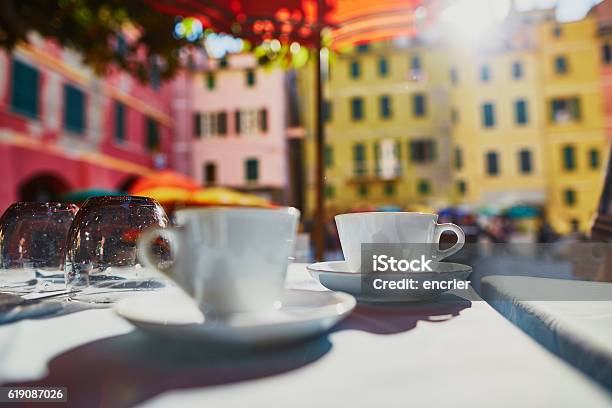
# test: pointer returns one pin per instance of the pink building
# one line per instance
(238, 125)
(64, 128)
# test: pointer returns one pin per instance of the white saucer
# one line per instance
(302, 314)
(336, 276)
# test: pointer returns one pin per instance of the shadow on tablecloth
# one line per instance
(125, 370)
(397, 318)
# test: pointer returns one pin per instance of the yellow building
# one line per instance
(574, 124)
(516, 119)
(387, 128)
(498, 140)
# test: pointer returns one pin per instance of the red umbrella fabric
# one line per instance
(351, 21)
(163, 178)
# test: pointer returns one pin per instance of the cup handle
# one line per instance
(440, 228)
(146, 255)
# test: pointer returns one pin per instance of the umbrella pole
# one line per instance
(319, 219)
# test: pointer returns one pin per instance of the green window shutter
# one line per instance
(210, 80)
(569, 197)
(594, 158)
(424, 187)
(329, 156)
(24, 89)
(525, 164)
(74, 109)
(252, 169)
(569, 158)
(250, 77)
(359, 158)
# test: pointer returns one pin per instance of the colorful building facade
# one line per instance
(387, 128)
(575, 132)
(238, 126)
(63, 128)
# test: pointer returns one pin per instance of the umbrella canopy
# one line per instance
(226, 197)
(350, 21)
(78, 196)
(166, 195)
(522, 211)
(164, 178)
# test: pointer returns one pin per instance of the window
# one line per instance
(517, 70)
(252, 169)
(424, 187)
(210, 80)
(24, 89)
(520, 112)
(359, 159)
(197, 125)
(575, 225)
(263, 120)
(525, 164)
(330, 191)
(362, 190)
(74, 109)
(355, 69)
(222, 123)
(328, 156)
(210, 174)
(561, 65)
(569, 197)
(569, 158)
(461, 187)
(415, 65)
(422, 150)
(454, 76)
(606, 53)
(385, 107)
(383, 67)
(485, 73)
(327, 111)
(557, 31)
(250, 77)
(119, 122)
(594, 158)
(488, 115)
(565, 110)
(152, 139)
(389, 189)
(458, 158)
(492, 164)
(238, 121)
(418, 105)
(357, 108)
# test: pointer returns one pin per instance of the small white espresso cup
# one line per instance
(230, 260)
(420, 229)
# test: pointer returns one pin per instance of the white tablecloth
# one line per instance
(454, 353)
(578, 330)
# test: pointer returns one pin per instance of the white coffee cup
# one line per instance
(230, 260)
(355, 229)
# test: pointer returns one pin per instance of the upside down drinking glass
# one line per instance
(33, 243)
(102, 257)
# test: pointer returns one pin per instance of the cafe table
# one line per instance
(455, 352)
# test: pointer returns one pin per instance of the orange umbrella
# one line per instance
(166, 195)
(226, 197)
(164, 178)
